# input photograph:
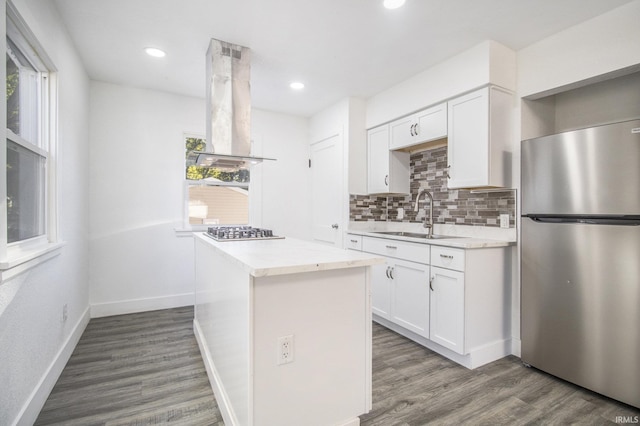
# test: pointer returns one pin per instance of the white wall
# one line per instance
(605, 102)
(487, 63)
(35, 343)
(582, 54)
(280, 189)
(137, 194)
(137, 199)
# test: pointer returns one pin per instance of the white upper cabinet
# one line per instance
(387, 171)
(479, 139)
(423, 126)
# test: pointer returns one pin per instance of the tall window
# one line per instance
(28, 145)
(214, 196)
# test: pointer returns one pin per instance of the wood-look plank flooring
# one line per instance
(144, 369)
(137, 369)
(415, 386)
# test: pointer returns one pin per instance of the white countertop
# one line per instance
(466, 237)
(457, 242)
(261, 258)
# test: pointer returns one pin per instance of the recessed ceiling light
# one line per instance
(393, 4)
(296, 85)
(156, 53)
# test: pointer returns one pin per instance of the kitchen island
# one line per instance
(284, 328)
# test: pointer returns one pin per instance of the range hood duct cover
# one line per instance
(228, 101)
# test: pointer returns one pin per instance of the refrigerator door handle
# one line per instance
(587, 220)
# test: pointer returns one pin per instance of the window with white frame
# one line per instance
(30, 114)
(214, 196)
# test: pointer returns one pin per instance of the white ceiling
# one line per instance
(338, 48)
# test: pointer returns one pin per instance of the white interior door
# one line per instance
(327, 188)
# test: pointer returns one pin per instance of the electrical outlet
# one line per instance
(504, 220)
(65, 312)
(285, 349)
(400, 213)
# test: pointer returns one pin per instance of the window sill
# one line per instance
(28, 259)
(187, 231)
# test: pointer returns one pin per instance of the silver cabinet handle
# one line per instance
(387, 272)
(415, 129)
(431, 283)
(446, 256)
(386, 180)
(354, 241)
(411, 130)
(447, 172)
(391, 247)
(391, 273)
(334, 226)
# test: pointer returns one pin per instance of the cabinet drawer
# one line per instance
(353, 242)
(414, 252)
(446, 257)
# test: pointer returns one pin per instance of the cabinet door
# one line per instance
(402, 133)
(468, 143)
(431, 123)
(378, 159)
(447, 309)
(380, 288)
(410, 296)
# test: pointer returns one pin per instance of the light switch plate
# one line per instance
(504, 220)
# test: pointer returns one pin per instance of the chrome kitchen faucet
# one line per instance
(428, 220)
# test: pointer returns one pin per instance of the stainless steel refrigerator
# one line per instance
(580, 298)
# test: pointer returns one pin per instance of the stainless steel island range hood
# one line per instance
(228, 100)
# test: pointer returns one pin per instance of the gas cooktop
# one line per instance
(240, 233)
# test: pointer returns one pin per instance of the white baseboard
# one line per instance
(516, 347)
(32, 407)
(489, 353)
(476, 358)
(141, 305)
(352, 422)
(226, 410)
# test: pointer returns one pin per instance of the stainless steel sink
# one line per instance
(415, 235)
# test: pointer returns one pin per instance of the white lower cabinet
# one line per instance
(446, 327)
(400, 288)
(380, 290)
(410, 296)
(454, 301)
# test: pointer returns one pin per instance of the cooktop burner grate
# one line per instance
(240, 233)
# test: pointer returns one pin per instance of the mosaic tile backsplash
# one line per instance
(450, 206)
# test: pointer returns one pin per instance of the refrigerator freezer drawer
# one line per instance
(581, 305)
